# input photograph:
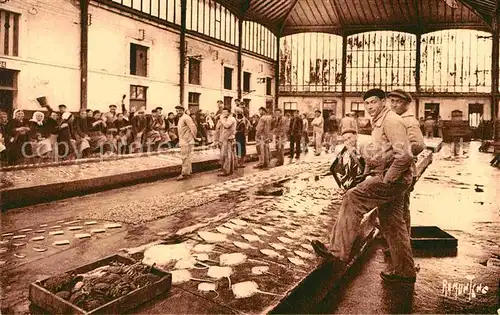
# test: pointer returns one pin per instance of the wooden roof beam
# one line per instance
(287, 15)
(476, 12)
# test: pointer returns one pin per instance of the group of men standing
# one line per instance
(390, 175)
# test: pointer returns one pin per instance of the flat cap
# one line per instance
(179, 107)
(401, 94)
(348, 130)
(374, 92)
(112, 105)
(62, 106)
(264, 109)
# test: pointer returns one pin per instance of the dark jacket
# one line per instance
(296, 126)
(81, 127)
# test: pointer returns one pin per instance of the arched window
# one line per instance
(311, 62)
(456, 61)
(381, 59)
(258, 39)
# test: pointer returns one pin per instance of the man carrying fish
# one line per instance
(389, 160)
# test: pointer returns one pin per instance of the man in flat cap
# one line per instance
(111, 115)
(388, 159)
(400, 102)
(318, 125)
(62, 109)
(187, 133)
(263, 137)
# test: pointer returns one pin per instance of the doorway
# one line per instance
(8, 90)
(475, 114)
(432, 110)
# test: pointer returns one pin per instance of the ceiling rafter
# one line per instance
(476, 12)
(348, 15)
(287, 15)
(338, 13)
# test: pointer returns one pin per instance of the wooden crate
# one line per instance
(48, 301)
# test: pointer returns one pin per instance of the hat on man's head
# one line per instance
(220, 102)
(62, 106)
(374, 92)
(399, 93)
(179, 107)
(348, 130)
(112, 105)
(263, 108)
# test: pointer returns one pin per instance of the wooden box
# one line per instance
(48, 301)
(431, 238)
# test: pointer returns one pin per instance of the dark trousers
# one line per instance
(295, 144)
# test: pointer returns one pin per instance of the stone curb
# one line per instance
(13, 197)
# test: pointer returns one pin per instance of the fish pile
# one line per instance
(101, 285)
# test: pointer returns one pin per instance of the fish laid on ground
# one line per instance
(251, 238)
(243, 245)
(210, 237)
(285, 240)
(271, 253)
(232, 259)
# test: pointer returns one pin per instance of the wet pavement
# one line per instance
(217, 200)
(446, 197)
(472, 217)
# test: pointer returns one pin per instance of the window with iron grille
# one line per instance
(381, 59)
(311, 62)
(138, 60)
(9, 33)
(456, 61)
(246, 81)
(228, 78)
(194, 102)
(194, 71)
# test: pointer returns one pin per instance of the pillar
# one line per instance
(418, 60)
(495, 73)
(182, 53)
(277, 73)
(344, 73)
(240, 55)
(84, 49)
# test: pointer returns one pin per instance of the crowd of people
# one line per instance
(60, 135)
(51, 134)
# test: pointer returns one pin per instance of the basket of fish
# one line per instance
(111, 285)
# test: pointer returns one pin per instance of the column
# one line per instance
(495, 74)
(84, 49)
(344, 73)
(240, 53)
(418, 60)
(182, 53)
(277, 73)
